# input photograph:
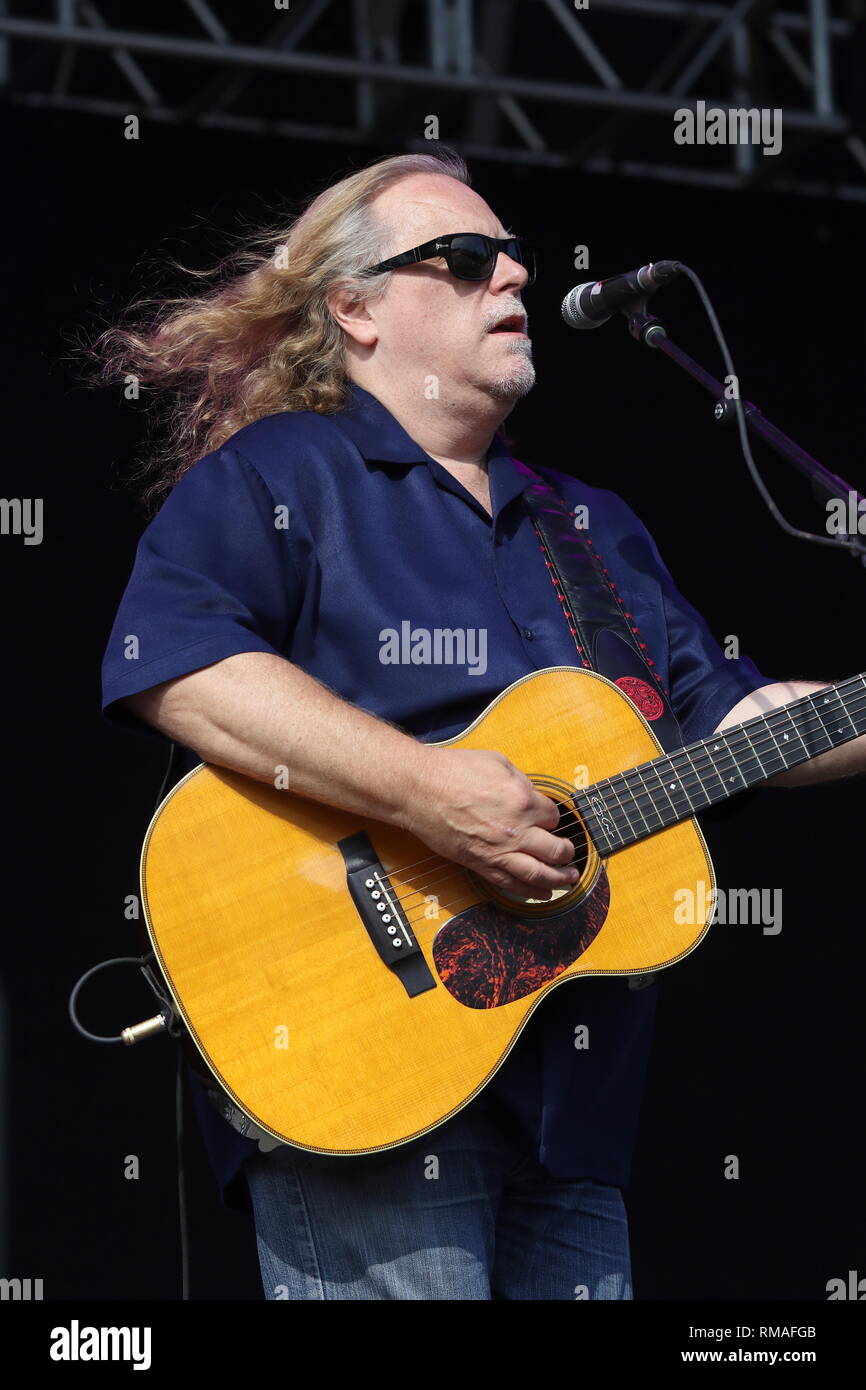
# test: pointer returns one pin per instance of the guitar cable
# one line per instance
(166, 1021)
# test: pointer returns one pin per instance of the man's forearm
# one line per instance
(257, 714)
(848, 760)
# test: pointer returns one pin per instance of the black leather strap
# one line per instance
(606, 637)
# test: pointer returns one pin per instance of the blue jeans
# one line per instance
(462, 1213)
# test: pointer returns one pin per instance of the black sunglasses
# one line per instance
(469, 255)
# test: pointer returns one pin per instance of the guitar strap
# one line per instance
(605, 634)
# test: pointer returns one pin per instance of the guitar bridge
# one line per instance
(380, 911)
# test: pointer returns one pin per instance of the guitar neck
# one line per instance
(623, 809)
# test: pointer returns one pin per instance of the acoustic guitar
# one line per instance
(350, 990)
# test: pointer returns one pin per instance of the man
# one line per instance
(345, 414)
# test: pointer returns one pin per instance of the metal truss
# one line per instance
(359, 72)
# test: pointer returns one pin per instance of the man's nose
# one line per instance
(509, 272)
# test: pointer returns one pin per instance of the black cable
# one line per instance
(183, 1218)
(94, 1037)
(182, 1213)
(172, 753)
(743, 430)
(174, 1028)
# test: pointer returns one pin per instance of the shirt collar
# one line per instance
(380, 437)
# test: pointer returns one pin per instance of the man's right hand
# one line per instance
(256, 712)
(476, 808)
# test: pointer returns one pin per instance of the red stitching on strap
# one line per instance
(635, 629)
(568, 615)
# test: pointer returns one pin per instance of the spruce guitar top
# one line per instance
(350, 990)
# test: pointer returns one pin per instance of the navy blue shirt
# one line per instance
(309, 536)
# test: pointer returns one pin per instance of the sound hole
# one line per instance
(570, 827)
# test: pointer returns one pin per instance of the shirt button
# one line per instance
(528, 634)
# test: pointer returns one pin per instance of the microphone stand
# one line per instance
(652, 333)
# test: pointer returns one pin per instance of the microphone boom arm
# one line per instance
(652, 333)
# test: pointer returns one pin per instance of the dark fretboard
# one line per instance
(634, 804)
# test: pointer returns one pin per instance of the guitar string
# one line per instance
(692, 779)
(560, 830)
(451, 872)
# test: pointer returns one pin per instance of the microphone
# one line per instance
(592, 304)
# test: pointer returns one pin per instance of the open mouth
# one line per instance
(516, 323)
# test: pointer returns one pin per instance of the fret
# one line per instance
(780, 752)
(853, 700)
(609, 811)
(642, 800)
(657, 770)
(634, 800)
(624, 808)
(701, 790)
(755, 772)
(816, 732)
(648, 806)
(796, 759)
(710, 748)
(860, 722)
(680, 784)
(844, 709)
(727, 766)
(675, 788)
(777, 752)
(754, 751)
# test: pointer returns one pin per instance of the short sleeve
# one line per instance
(705, 684)
(214, 575)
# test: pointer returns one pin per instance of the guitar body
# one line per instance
(281, 985)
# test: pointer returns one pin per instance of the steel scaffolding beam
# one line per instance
(469, 64)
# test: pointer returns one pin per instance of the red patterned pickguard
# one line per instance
(642, 696)
(486, 957)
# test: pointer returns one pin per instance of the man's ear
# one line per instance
(353, 316)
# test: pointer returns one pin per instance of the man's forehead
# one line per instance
(437, 212)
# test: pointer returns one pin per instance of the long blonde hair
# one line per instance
(263, 339)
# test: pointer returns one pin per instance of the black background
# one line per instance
(758, 1048)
